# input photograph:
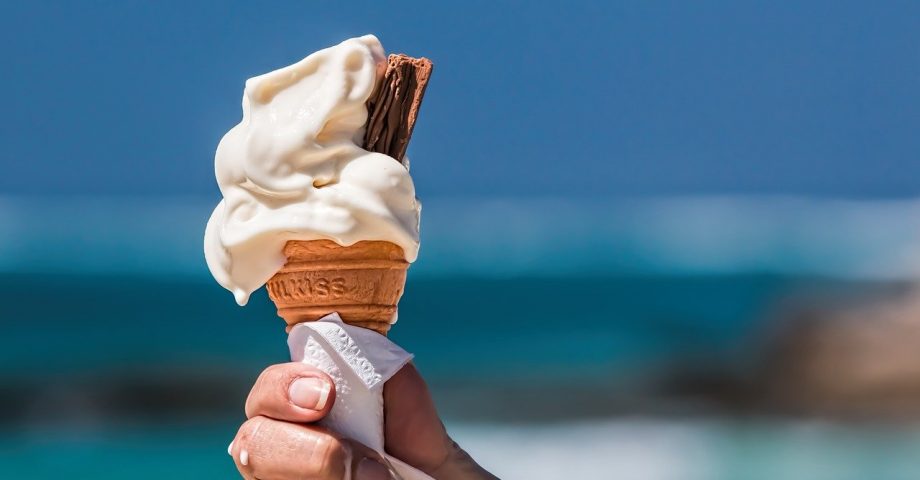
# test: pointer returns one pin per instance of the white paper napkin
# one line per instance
(360, 361)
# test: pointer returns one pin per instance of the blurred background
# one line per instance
(661, 240)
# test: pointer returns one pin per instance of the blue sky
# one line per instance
(527, 99)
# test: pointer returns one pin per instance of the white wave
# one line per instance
(647, 449)
(676, 235)
(604, 450)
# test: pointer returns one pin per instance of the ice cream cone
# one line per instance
(362, 282)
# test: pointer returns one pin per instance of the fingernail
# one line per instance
(230, 449)
(309, 392)
(369, 469)
(244, 458)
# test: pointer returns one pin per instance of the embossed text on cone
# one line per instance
(362, 282)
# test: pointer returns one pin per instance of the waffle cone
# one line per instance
(362, 282)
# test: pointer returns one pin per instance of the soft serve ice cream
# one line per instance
(293, 169)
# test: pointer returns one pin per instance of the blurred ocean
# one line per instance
(563, 338)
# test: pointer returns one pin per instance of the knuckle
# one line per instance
(281, 375)
(249, 429)
(328, 456)
(274, 369)
(263, 388)
(288, 450)
(272, 374)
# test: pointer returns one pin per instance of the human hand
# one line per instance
(279, 442)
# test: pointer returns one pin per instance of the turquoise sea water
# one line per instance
(99, 382)
(120, 358)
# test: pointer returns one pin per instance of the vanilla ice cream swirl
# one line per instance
(294, 169)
